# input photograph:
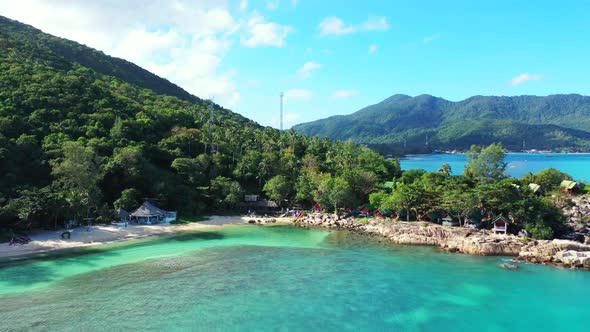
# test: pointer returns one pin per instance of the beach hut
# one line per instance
(432, 216)
(449, 220)
(569, 187)
(474, 220)
(121, 214)
(254, 204)
(500, 224)
(388, 185)
(535, 188)
(149, 214)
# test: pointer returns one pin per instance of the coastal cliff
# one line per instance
(563, 253)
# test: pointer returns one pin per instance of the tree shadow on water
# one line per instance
(24, 275)
(198, 236)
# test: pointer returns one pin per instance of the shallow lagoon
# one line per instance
(284, 278)
(519, 164)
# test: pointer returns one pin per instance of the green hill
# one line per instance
(425, 123)
(81, 131)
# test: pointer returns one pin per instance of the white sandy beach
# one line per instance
(51, 240)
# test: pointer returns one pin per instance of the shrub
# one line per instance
(539, 231)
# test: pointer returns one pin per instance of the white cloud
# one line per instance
(335, 26)
(374, 23)
(307, 68)
(342, 94)
(244, 5)
(189, 51)
(272, 4)
(261, 33)
(373, 48)
(298, 94)
(526, 77)
(431, 38)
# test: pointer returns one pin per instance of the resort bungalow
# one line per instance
(388, 185)
(500, 224)
(253, 202)
(122, 215)
(149, 214)
(535, 188)
(450, 220)
(474, 220)
(432, 216)
(569, 187)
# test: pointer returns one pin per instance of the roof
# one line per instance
(263, 203)
(534, 187)
(121, 213)
(502, 218)
(267, 203)
(148, 209)
(568, 184)
(388, 185)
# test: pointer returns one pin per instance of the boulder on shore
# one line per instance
(463, 240)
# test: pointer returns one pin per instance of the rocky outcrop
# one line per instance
(564, 253)
(453, 239)
(262, 221)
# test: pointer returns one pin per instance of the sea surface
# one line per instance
(280, 278)
(519, 164)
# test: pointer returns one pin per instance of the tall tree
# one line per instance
(486, 164)
(279, 189)
(78, 174)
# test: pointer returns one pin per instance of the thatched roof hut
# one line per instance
(122, 214)
(148, 209)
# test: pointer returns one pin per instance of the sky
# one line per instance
(333, 57)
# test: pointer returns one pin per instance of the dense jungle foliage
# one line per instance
(82, 133)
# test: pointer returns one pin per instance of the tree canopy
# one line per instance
(80, 130)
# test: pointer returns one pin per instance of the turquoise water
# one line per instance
(519, 164)
(278, 278)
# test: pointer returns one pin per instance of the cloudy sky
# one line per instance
(332, 56)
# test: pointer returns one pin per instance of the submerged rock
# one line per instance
(509, 266)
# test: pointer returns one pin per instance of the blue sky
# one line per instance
(334, 57)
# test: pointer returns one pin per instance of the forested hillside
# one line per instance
(82, 133)
(405, 124)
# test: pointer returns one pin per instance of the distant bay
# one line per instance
(519, 164)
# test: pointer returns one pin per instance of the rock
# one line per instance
(468, 241)
(251, 221)
(509, 266)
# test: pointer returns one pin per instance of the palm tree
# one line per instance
(445, 170)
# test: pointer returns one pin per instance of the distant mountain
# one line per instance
(426, 123)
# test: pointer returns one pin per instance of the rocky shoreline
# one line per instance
(562, 253)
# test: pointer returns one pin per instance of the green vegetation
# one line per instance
(482, 194)
(82, 133)
(402, 124)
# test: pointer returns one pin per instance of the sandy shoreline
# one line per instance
(45, 241)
